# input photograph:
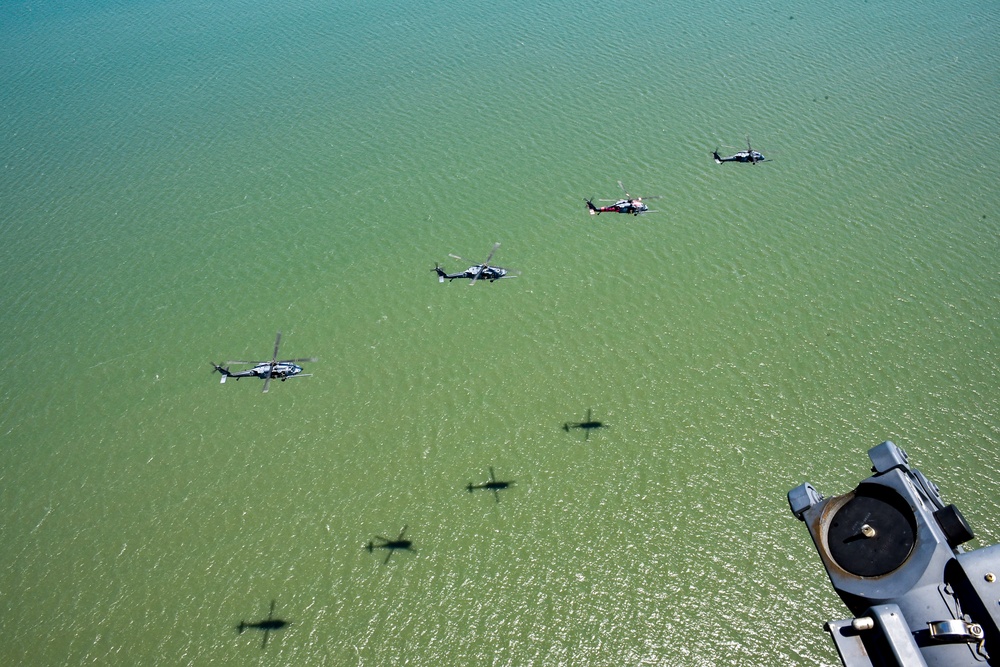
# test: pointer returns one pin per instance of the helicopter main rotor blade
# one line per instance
(490, 256)
(628, 196)
(463, 259)
(244, 363)
(485, 265)
(296, 361)
(267, 379)
(277, 342)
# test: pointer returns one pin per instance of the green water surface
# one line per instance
(179, 181)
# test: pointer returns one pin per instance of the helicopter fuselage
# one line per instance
(743, 156)
(476, 272)
(265, 370)
(631, 206)
(281, 370)
(489, 486)
(266, 625)
(490, 273)
(393, 544)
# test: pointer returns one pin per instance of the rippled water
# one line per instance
(180, 182)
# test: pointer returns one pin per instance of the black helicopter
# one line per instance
(392, 546)
(268, 370)
(267, 625)
(492, 485)
(749, 155)
(588, 425)
(630, 204)
(477, 271)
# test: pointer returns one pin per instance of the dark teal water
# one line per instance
(181, 181)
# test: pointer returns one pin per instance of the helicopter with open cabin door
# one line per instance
(630, 205)
(476, 272)
(266, 370)
(749, 155)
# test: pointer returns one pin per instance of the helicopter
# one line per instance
(477, 271)
(390, 545)
(268, 370)
(630, 204)
(267, 625)
(492, 485)
(749, 155)
(588, 425)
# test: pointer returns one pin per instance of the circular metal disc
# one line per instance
(871, 535)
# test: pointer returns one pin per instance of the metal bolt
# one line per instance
(863, 623)
(990, 577)
(867, 531)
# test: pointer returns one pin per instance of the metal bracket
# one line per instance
(956, 630)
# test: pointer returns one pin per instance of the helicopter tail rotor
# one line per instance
(593, 209)
(440, 273)
(224, 370)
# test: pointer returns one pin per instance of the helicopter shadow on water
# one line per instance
(587, 425)
(268, 625)
(391, 546)
(494, 485)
